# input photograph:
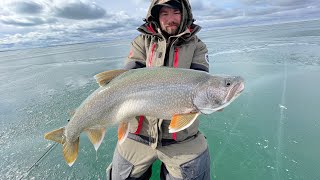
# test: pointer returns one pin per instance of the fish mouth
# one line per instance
(207, 110)
(234, 92)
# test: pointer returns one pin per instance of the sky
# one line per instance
(34, 23)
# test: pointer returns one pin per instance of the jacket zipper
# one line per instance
(175, 65)
(141, 119)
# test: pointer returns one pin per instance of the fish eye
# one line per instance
(228, 83)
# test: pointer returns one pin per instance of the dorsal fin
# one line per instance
(105, 77)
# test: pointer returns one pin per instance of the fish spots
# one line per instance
(130, 107)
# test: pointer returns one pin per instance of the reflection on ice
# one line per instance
(282, 106)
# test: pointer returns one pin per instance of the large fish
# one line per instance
(165, 93)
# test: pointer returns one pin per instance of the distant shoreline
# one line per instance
(130, 37)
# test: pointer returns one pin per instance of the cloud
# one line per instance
(22, 7)
(254, 2)
(200, 5)
(259, 11)
(211, 14)
(27, 21)
(78, 10)
(39, 12)
(205, 10)
(24, 13)
(294, 3)
(283, 3)
(234, 9)
(116, 26)
(53, 22)
(141, 1)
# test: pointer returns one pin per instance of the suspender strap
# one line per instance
(175, 65)
(142, 139)
(148, 140)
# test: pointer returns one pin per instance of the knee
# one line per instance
(198, 168)
(120, 168)
(195, 169)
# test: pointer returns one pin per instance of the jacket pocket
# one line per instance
(198, 168)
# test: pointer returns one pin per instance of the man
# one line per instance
(167, 39)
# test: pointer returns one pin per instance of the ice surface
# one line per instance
(270, 132)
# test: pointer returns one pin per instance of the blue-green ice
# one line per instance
(271, 132)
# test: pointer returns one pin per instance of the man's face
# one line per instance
(170, 20)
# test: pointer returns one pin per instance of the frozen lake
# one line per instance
(270, 132)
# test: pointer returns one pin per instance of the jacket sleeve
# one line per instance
(137, 55)
(200, 59)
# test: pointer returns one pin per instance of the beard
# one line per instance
(172, 31)
(171, 28)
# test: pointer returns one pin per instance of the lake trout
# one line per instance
(179, 95)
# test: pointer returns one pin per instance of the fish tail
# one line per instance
(56, 135)
(70, 149)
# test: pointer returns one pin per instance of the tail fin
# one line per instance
(56, 135)
(70, 149)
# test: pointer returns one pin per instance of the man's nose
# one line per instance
(171, 18)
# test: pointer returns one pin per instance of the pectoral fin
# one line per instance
(56, 135)
(72, 112)
(70, 151)
(96, 136)
(123, 131)
(180, 122)
(105, 77)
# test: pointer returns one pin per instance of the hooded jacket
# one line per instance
(185, 50)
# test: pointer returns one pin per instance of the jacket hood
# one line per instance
(187, 17)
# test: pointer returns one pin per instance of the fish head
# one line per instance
(217, 92)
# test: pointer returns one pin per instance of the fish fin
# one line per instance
(123, 131)
(96, 136)
(72, 112)
(70, 151)
(56, 135)
(180, 122)
(104, 78)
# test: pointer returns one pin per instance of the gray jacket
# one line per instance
(186, 50)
